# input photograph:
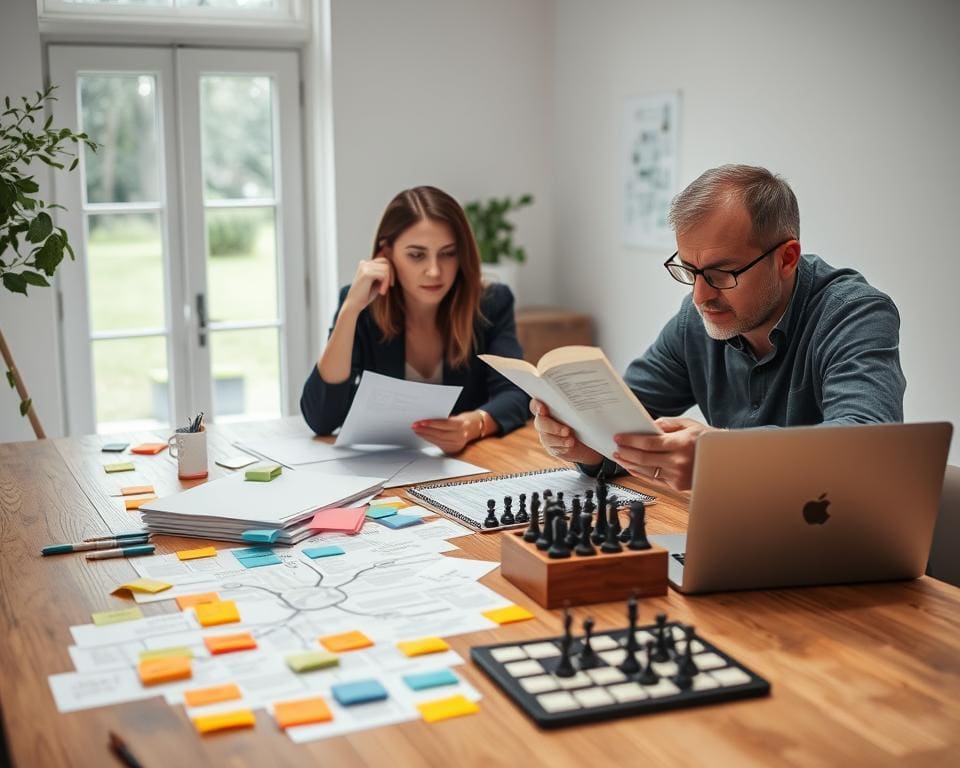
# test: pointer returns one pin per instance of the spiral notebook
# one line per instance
(467, 501)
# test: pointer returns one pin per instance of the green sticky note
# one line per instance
(310, 660)
(120, 466)
(115, 617)
(264, 473)
(168, 653)
(376, 513)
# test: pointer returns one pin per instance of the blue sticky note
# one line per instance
(258, 562)
(423, 680)
(378, 513)
(360, 692)
(266, 535)
(400, 521)
(249, 552)
(315, 552)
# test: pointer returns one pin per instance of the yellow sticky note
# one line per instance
(509, 614)
(241, 718)
(148, 586)
(115, 617)
(168, 653)
(394, 504)
(200, 697)
(136, 490)
(422, 646)
(213, 614)
(348, 641)
(242, 641)
(120, 466)
(302, 712)
(196, 554)
(155, 671)
(443, 709)
(186, 601)
(136, 503)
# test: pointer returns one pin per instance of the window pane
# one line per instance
(237, 126)
(241, 264)
(242, 5)
(166, 3)
(125, 271)
(119, 112)
(246, 373)
(131, 383)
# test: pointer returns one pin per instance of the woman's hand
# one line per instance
(450, 435)
(373, 278)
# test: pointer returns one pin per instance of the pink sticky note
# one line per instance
(344, 519)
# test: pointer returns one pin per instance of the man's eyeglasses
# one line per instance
(721, 279)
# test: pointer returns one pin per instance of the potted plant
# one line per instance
(31, 247)
(494, 234)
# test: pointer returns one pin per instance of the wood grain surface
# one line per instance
(861, 675)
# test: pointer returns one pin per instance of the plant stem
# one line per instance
(21, 389)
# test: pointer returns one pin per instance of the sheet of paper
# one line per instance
(302, 447)
(451, 569)
(384, 408)
(82, 690)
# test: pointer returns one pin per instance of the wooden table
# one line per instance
(861, 675)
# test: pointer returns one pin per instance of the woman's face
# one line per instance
(425, 261)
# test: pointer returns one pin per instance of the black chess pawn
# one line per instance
(662, 652)
(600, 530)
(638, 526)
(561, 502)
(630, 665)
(613, 505)
(588, 656)
(574, 534)
(611, 543)
(584, 547)
(687, 665)
(533, 532)
(507, 517)
(491, 520)
(649, 675)
(565, 665)
(588, 505)
(558, 548)
(522, 516)
(546, 535)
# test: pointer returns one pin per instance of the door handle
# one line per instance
(202, 319)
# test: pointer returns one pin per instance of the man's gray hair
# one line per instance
(767, 197)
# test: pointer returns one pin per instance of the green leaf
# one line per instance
(28, 186)
(14, 283)
(50, 255)
(8, 195)
(25, 406)
(11, 380)
(40, 228)
(34, 278)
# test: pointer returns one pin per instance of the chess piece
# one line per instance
(564, 666)
(649, 675)
(630, 665)
(585, 547)
(533, 532)
(588, 657)
(638, 526)
(522, 516)
(600, 531)
(546, 533)
(611, 543)
(588, 505)
(614, 506)
(574, 534)
(561, 502)
(662, 652)
(507, 517)
(558, 548)
(491, 519)
(687, 667)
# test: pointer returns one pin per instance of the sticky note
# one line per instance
(423, 680)
(196, 554)
(263, 473)
(147, 586)
(115, 617)
(359, 692)
(345, 519)
(348, 641)
(444, 709)
(258, 562)
(264, 535)
(136, 490)
(214, 614)
(148, 449)
(400, 521)
(168, 653)
(136, 503)
(308, 661)
(242, 641)
(186, 601)
(423, 646)
(301, 712)
(315, 552)
(114, 447)
(508, 615)
(378, 513)
(156, 671)
(120, 466)
(201, 697)
(241, 718)
(384, 501)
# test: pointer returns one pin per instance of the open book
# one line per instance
(582, 390)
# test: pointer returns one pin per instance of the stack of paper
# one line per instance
(225, 508)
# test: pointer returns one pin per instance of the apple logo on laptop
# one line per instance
(815, 512)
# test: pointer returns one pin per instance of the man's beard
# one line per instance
(767, 303)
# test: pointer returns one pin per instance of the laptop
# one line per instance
(810, 505)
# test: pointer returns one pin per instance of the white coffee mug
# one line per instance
(190, 451)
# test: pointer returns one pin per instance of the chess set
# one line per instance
(567, 680)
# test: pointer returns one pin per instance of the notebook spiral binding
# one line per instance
(420, 493)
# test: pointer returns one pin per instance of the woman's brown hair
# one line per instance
(460, 308)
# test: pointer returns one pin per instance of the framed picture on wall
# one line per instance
(651, 167)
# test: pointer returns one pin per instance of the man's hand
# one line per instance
(667, 457)
(450, 435)
(557, 438)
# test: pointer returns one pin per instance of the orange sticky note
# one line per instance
(348, 641)
(136, 490)
(200, 697)
(242, 641)
(241, 718)
(509, 614)
(220, 612)
(148, 448)
(186, 601)
(422, 646)
(154, 671)
(136, 503)
(196, 554)
(302, 712)
(443, 709)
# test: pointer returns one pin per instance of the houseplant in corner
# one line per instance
(494, 234)
(31, 247)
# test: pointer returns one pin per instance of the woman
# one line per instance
(417, 311)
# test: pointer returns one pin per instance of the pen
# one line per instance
(119, 747)
(142, 549)
(124, 535)
(83, 546)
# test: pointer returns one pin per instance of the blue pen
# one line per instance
(62, 549)
(143, 549)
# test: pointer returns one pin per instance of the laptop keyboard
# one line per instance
(680, 557)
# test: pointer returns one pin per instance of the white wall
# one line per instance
(857, 103)
(453, 93)
(29, 324)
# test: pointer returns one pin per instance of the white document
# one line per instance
(384, 408)
(83, 690)
(302, 447)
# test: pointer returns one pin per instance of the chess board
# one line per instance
(525, 672)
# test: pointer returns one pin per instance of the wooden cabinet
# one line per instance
(541, 329)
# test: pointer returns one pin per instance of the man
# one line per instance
(767, 336)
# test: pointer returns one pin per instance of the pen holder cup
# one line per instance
(190, 451)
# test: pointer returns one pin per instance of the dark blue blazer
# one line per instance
(325, 406)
